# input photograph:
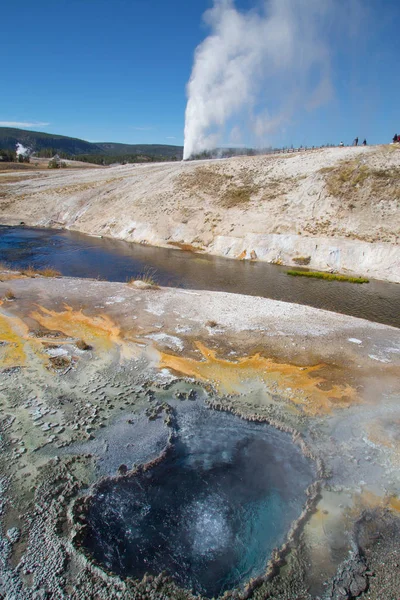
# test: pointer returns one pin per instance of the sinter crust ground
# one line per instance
(331, 380)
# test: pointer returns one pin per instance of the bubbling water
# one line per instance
(210, 513)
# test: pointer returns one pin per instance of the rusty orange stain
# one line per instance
(99, 331)
(298, 385)
(367, 499)
(385, 433)
(394, 503)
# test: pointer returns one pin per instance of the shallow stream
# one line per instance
(78, 255)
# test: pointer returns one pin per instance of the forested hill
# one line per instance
(46, 144)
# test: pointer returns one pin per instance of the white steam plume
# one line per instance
(21, 150)
(256, 68)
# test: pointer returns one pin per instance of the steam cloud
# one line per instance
(256, 68)
(22, 150)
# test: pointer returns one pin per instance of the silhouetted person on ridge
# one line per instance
(395, 138)
(356, 142)
(364, 142)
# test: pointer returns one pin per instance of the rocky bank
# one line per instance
(333, 209)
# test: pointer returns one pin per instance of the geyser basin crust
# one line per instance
(210, 513)
(60, 424)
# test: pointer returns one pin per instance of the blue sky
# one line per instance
(116, 70)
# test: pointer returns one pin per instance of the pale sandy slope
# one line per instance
(275, 208)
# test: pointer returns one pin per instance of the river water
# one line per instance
(77, 255)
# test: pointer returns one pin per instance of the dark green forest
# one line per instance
(46, 145)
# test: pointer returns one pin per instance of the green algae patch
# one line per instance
(327, 276)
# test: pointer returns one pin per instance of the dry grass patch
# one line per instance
(302, 260)
(60, 362)
(9, 276)
(325, 170)
(45, 272)
(14, 166)
(9, 295)
(237, 196)
(212, 324)
(354, 179)
(148, 277)
(208, 180)
(234, 190)
(29, 272)
(49, 272)
(212, 181)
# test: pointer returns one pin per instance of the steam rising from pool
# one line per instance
(210, 513)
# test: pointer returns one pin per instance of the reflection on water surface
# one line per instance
(78, 255)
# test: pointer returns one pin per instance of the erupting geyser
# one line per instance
(255, 69)
(210, 513)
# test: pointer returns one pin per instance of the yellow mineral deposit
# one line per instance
(298, 385)
(17, 346)
(331, 522)
(12, 348)
(326, 526)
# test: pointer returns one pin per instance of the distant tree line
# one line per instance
(12, 156)
(8, 155)
(103, 159)
(49, 153)
(97, 159)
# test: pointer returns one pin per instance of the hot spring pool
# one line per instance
(211, 513)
